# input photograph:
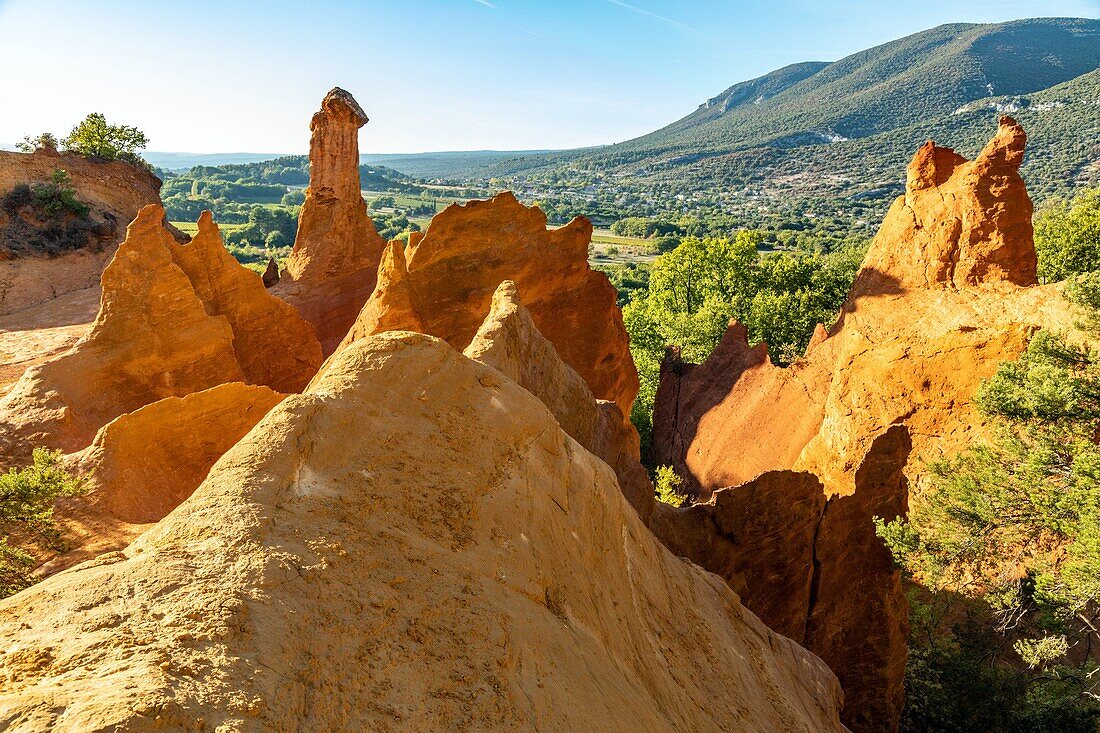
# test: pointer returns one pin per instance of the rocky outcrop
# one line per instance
(393, 306)
(444, 284)
(960, 223)
(509, 341)
(273, 344)
(814, 569)
(777, 411)
(759, 537)
(334, 265)
(152, 339)
(143, 464)
(412, 543)
(114, 192)
(173, 320)
(859, 616)
(271, 273)
(946, 293)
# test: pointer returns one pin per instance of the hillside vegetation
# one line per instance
(827, 143)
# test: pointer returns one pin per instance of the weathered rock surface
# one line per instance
(444, 284)
(759, 537)
(413, 543)
(960, 223)
(152, 339)
(814, 569)
(945, 294)
(141, 465)
(273, 344)
(859, 616)
(393, 306)
(38, 334)
(173, 320)
(333, 268)
(115, 191)
(509, 341)
(271, 273)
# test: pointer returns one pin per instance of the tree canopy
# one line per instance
(95, 138)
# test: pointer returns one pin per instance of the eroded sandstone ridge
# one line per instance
(272, 343)
(443, 282)
(509, 341)
(173, 320)
(141, 465)
(333, 267)
(814, 570)
(412, 543)
(946, 293)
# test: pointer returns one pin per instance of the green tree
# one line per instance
(27, 497)
(1013, 524)
(1067, 237)
(43, 141)
(696, 289)
(665, 485)
(95, 138)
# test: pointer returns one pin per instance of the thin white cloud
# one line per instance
(651, 14)
(486, 3)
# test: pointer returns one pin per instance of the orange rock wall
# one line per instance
(448, 277)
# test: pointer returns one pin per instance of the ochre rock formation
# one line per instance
(859, 616)
(447, 277)
(141, 465)
(393, 306)
(946, 293)
(271, 273)
(758, 537)
(960, 224)
(414, 544)
(152, 339)
(814, 569)
(173, 320)
(273, 344)
(114, 191)
(333, 267)
(509, 341)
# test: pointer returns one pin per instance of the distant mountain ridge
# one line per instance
(902, 82)
(847, 128)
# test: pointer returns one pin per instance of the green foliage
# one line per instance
(393, 226)
(695, 290)
(295, 197)
(58, 196)
(631, 279)
(957, 679)
(27, 496)
(47, 218)
(665, 484)
(42, 141)
(96, 139)
(263, 222)
(1014, 525)
(1067, 237)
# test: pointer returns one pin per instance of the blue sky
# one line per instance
(230, 76)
